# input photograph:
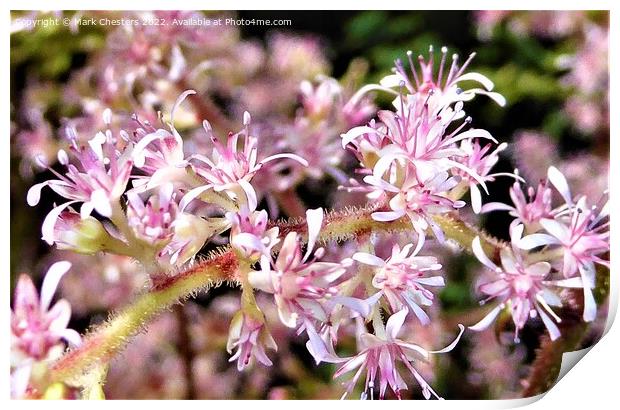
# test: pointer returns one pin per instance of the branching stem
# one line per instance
(102, 344)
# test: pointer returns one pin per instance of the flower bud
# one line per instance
(87, 236)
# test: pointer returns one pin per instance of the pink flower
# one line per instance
(379, 355)
(525, 288)
(299, 284)
(37, 329)
(154, 221)
(419, 200)
(230, 170)
(318, 101)
(191, 232)
(582, 234)
(98, 183)
(249, 233)
(250, 337)
(528, 211)
(402, 278)
(480, 160)
(415, 135)
(445, 88)
(159, 153)
(81, 235)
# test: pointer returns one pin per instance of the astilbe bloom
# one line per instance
(159, 153)
(230, 170)
(153, 222)
(526, 288)
(300, 284)
(249, 233)
(408, 157)
(249, 335)
(99, 181)
(402, 278)
(173, 236)
(36, 328)
(379, 355)
(480, 159)
(446, 90)
(420, 201)
(416, 136)
(580, 233)
(526, 210)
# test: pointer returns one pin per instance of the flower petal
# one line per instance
(34, 193)
(554, 332)
(47, 228)
(59, 314)
(487, 320)
(101, 202)
(476, 198)
(494, 288)
(50, 283)
(539, 269)
(247, 240)
(508, 261)
(387, 216)
(559, 182)
(250, 193)
(453, 344)
(589, 305)
(479, 252)
(477, 77)
(432, 281)
(535, 240)
(361, 306)
(556, 228)
(314, 218)
(178, 102)
(294, 157)
(495, 206)
(19, 380)
(368, 259)
(395, 322)
(191, 195)
(354, 133)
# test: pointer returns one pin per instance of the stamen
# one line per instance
(413, 70)
(465, 64)
(444, 52)
(453, 68)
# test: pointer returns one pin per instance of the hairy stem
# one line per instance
(105, 341)
(102, 344)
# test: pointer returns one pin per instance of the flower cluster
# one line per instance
(155, 227)
(419, 159)
(147, 189)
(571, 239)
